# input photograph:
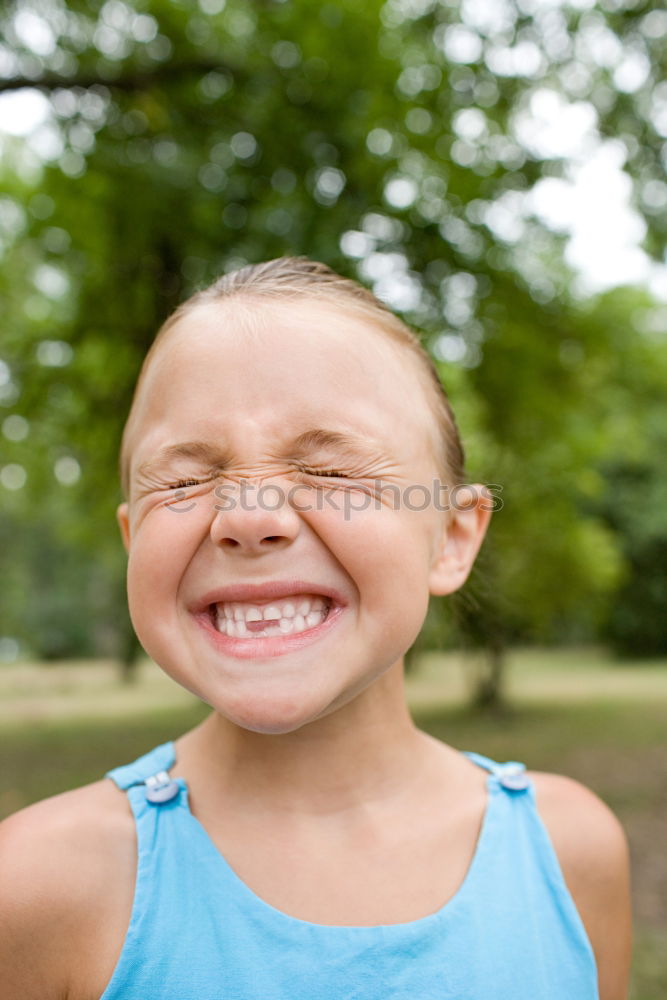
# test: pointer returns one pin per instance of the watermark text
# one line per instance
(352, 498)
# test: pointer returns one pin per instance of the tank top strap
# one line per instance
(160, 807)
(149, 787)
(158, 760)
(525, 852)
(510, 775)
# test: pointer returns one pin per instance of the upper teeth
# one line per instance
(286, 616)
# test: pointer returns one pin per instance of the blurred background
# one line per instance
(495, 171)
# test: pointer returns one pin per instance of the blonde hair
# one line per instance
(302, 278)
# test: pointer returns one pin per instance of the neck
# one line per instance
(360, 755)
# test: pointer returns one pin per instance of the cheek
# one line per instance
(391, 558)
(160, 552)
(383, 547)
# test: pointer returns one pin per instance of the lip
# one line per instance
(261, 593)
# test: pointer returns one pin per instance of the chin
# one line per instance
(270, 717)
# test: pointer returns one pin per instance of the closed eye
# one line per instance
(327, 473)
(182, 483)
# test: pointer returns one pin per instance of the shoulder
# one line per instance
(592, 851)
(66, 869)
(586, 835)
(585, 832)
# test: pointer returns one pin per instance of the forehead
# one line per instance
(276, 365)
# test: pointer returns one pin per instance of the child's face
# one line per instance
(252, 384)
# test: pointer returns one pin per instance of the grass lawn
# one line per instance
(571, 712)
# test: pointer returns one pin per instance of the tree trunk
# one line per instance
(489, 687)
(129, 656)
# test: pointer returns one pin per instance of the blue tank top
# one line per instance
(198, 932)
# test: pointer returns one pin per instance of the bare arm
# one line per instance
(593, 854)
(66, 881)
(30, 910)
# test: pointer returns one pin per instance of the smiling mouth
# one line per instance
(287, 616)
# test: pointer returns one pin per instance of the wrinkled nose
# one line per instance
(255, 520)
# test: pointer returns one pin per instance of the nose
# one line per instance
(255, 520)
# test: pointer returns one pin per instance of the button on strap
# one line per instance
(513, 777)
(161, 788)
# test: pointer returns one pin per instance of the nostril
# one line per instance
(242, 542)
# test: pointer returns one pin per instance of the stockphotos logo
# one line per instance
(352, 498)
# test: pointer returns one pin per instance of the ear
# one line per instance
(460, 539)
(123, 518)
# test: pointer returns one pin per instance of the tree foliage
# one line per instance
(395, 140)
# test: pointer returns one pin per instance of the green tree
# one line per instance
(392, 140)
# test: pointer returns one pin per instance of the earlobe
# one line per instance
(122, 516)
(460, 541)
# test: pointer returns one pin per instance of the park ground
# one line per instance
(572, 711)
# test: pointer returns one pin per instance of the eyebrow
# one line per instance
(200, 450)
(320, 438)
(214, 457)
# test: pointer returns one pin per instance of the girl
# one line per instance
(284, 464)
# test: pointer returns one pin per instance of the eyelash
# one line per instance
(326, 473)
(319, 473)
(182, 483)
